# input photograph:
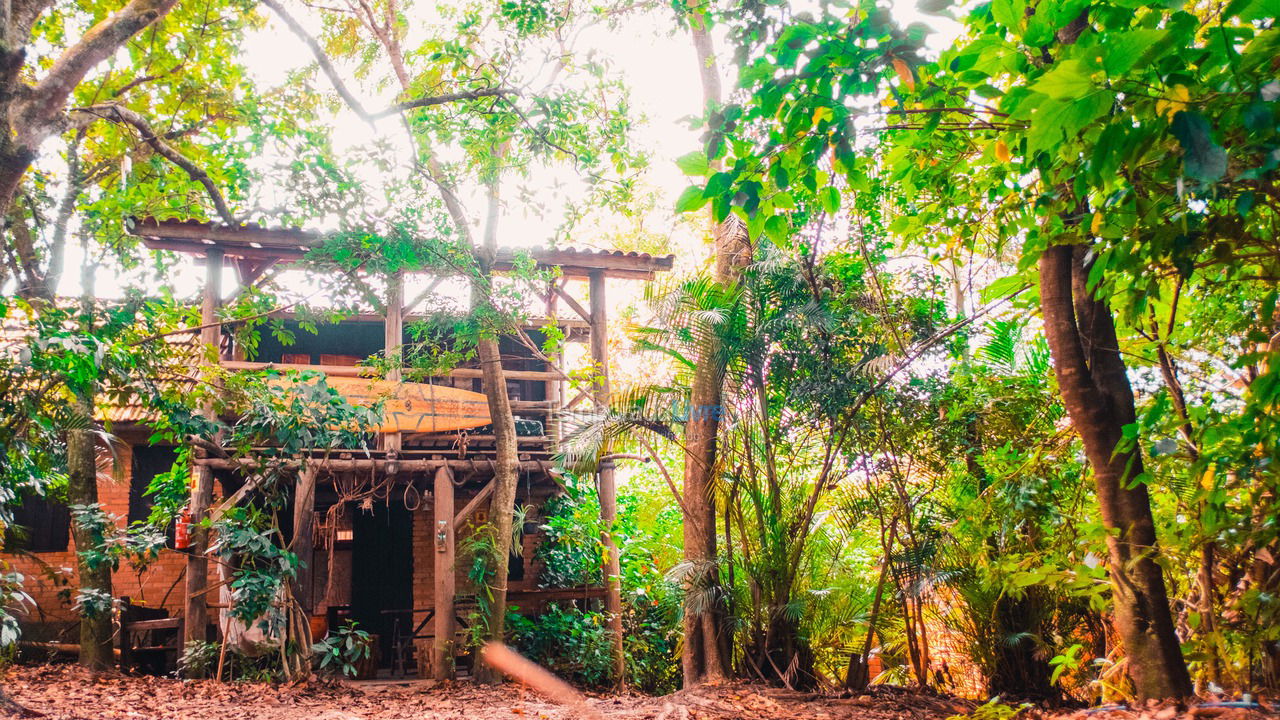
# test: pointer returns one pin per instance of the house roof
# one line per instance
(256, 243)
(118, 405)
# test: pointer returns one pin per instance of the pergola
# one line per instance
(252, 250)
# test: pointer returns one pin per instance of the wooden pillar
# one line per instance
(304, 502)
(196, 610)
(393, 338)
(608, 483)
(442, 650)
(554, 396)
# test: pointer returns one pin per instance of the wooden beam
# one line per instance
(357, 371)
(366, 464)
(443, 537)
(248, 270)
(582, 395)
(472, 505)
(284, 255)
(554, 389)
(195, 609)
(566, 324)
(253, 235)
(571, 302)
(289, 244)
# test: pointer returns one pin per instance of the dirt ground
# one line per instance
(66, 692)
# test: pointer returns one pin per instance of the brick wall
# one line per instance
(51, 577)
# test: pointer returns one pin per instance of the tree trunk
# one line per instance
(506, 472)
(1096, 393)
(32, 112)
(707, 646)
(1020, 671)
(82, 489)
(505, 482)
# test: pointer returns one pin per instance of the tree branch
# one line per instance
(120, 114)
(442, 99)
(339, 86)
(45, 101)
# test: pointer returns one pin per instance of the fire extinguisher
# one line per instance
(182, 530)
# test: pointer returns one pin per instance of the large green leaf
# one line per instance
(1068, 80)
(691, 199)
(1204, 159)
(694, 163)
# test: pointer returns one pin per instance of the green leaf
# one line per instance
(1009, 13)
(830, 199)
(694, 163)
(1002, 287)
(1125, 50)
(1204, 160)
(777, 228)
(1068, 80)
(691, 199)
(1090, 107)
(1047, 123)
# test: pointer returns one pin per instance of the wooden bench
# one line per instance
(150, 640)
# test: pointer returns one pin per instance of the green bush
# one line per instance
(342, 650)
(571, 643)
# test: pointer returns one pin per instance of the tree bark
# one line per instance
(506, 473)
(29, 114)
(707, 647)
(1099, 400)
(82, 489)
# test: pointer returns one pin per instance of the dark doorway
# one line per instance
(381, 570)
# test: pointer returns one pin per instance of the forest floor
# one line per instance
(66, 692)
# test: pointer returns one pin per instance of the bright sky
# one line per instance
(656, 61)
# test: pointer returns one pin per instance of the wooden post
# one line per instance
(554, 396)
(608, 484)
(443, 535)
(196, 611)
(393, 338)
(304, 501)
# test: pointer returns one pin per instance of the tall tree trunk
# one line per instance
(707, 646)
(82, 490)
(505, 481)
(1096, 392)
(506, 472)
(95, 580)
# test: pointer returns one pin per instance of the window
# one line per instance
(40, 525)
(148, 462)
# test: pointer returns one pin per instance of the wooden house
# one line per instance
(388, 559)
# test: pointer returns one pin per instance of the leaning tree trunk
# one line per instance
(1096, 392)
